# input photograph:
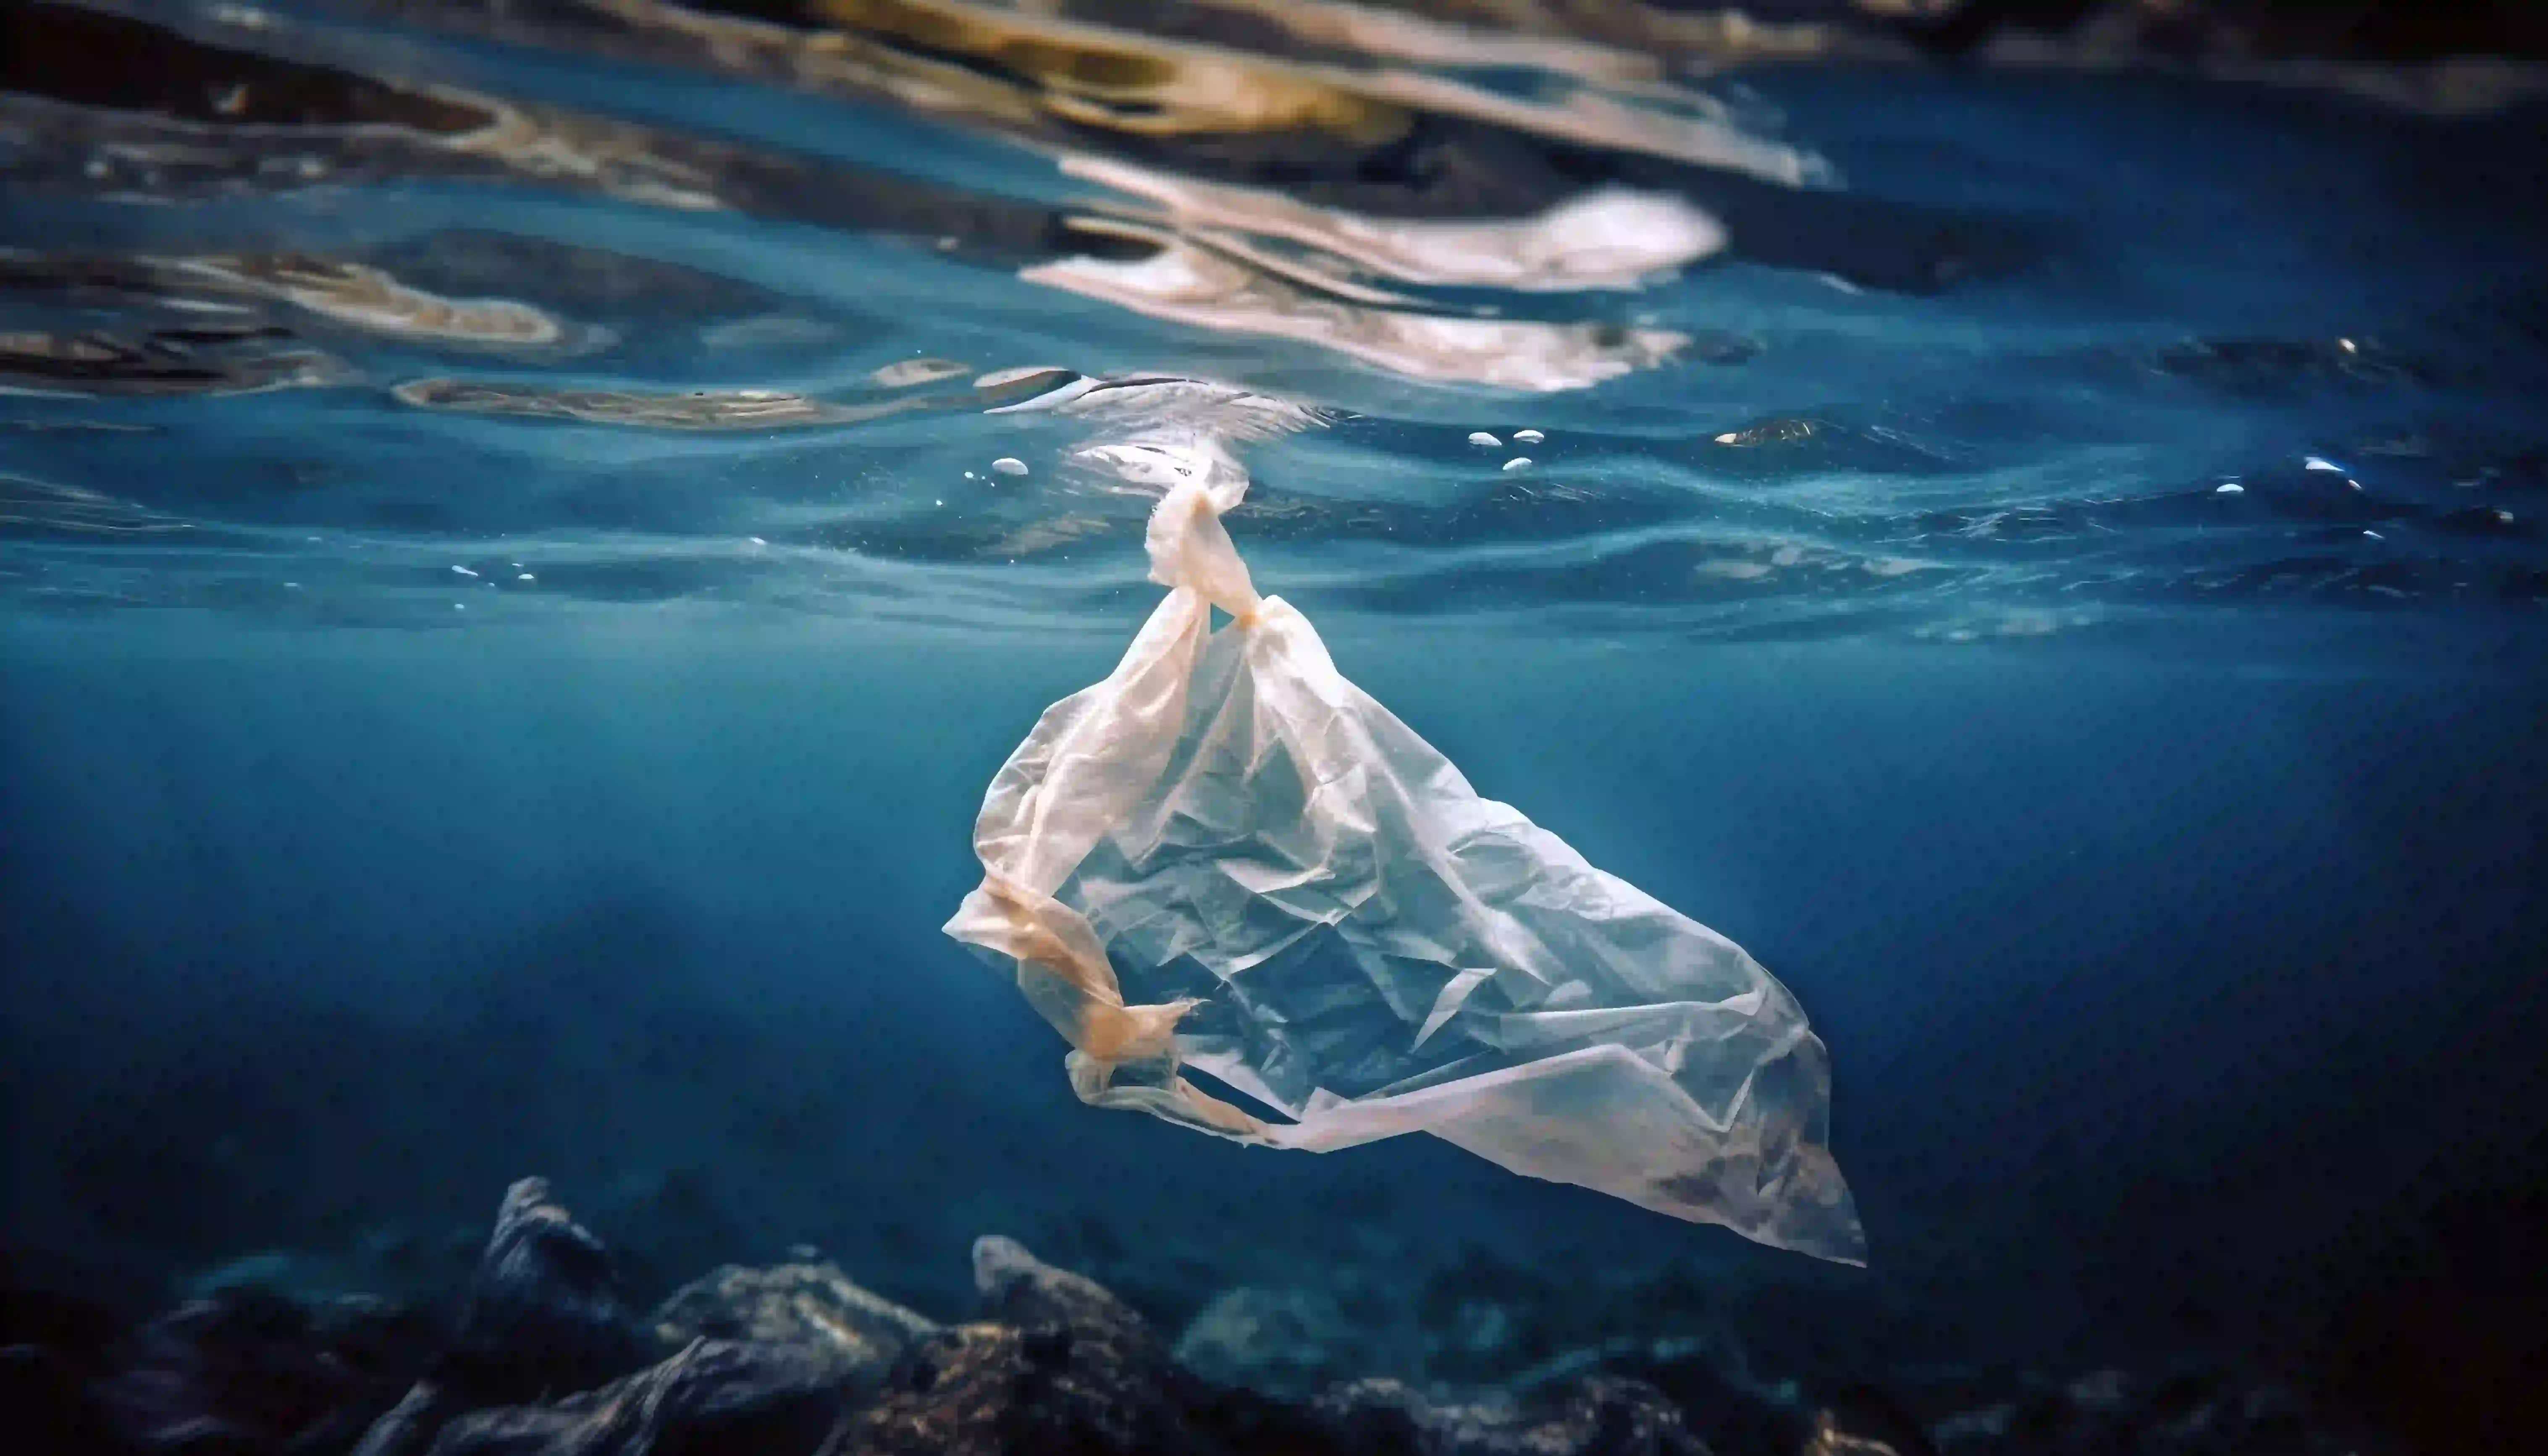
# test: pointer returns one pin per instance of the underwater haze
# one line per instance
(528, 530)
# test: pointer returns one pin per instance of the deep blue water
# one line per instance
(414, 774)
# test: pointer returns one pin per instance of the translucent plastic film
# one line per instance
(1227, 859)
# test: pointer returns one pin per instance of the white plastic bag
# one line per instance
(1227, 858)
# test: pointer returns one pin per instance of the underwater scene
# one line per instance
(1273, 727)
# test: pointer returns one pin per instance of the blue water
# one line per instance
(2160, 861)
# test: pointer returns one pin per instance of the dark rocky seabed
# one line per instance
(542, 1353)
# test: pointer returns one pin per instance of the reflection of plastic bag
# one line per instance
(1305, 901)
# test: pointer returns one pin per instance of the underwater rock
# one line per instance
(713, 1399)
(1018, 1288)
(1068, 1367)
(809, 1306)
(250, 1371)
(544, 1310)
(1600, 1416)
(543, 1316)
(1733, 1411)
(410, 1424)
(796, 1359)
(1281, 1341)
(1071, 1368)
(982, 1388)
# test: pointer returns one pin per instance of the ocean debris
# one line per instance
(1425, 960)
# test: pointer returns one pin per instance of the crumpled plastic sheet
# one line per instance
(1226, 857)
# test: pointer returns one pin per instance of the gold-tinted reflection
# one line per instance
(1228, 257)
(1118, 79)
(1031, 70)
(1617, 42)
(1511, 40)
(371, 300)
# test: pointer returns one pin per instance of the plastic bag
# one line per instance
(1226, 857)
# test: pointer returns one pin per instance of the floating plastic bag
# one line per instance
(1227, 858)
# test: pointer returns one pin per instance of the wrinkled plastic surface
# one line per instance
(1227, 859)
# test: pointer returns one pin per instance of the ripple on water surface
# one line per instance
(852, 314)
